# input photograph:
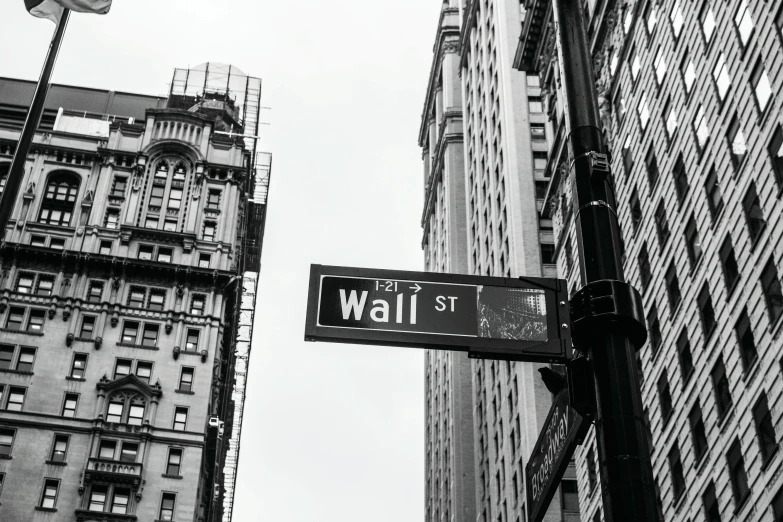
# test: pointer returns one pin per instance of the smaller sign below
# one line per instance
(563, 430)
(519, 319)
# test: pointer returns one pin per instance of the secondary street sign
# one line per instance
(516, 319)
(563, 430)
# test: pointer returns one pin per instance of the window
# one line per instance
(645, 274)
(122, 368)
(213, 199)
(167, 506)
(720, 75)
(710, 502)
(170, 225)
(135, 415)
(16, 396)
(98, 497)
(145, 252)
(570, 494)
(534, 104)
(664, 397)
(105, 248)
(714, 196)
(49, 494)
(729, 264)
(88, 327)
(36, 320)
(770, 285)
(191, 340)
(129, 452)
(775, 150)
(6, 441)
(136, 297)
(119, 501)
(636, 210)
(681, 184)
(69, 404)
(79, 365)
(180, 418)
(673, 287)
(151, 222)
(203, 260)
(118, 187)
(533, 80)
(59, 200)
(777, 502)
(720, 383)
(655, 330)
(186, 380)
(636, 65)
(144, 371)
(157, 299)
(765, 430)
(661, 224)
(677, 19)
(651, 15)
(698, 433)
(57, 244)
(591, 473)
(744, 22)
(651, 164)
(156, 196)
(688, 72)
(6, 356)
(39, 241)
(627, 153)
(737, 147)
(692, 242)
(107, 449)
(537, 131)
(737, 475)
(747, 344)
(179, 172)
(130, 330)
(112, 220)
(164, 255)
(707, 19)
(26, 360)
(754, 217)
(700, 129)
(670, 117)
(175, 198)
(59, 448)
(684, 355)
(209, 231)
(644, 112)
(675, 467)
(761, 86)
(174, 462)
(150, 335)
(45, 285)
(15, 318)
(706, 312)
(659, 65)
(197, 304)
(25, 283)
(619, 107)
(95, 292)
(162, 171)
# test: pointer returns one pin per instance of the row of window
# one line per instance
(112, 221)
(142, 370)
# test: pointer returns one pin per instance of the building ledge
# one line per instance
(18, 372)
(56, 463)
(185, 392)
(177, 477)
(46, 509)
(141, 346)
(23, 332)
(79, 379)
(83, 515)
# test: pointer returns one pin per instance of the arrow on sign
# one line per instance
(416, 287)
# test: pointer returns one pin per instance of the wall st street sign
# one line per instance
(563, 430)
(490, 317)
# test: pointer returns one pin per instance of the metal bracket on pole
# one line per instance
(601, 303)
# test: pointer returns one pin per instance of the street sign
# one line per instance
(563, 430)
(490, 317)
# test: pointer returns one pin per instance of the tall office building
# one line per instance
(690, 105)
(484, 162)
(128, 281)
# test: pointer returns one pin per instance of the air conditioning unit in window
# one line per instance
(214, 422)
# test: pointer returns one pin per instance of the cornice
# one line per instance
(129, 381)
(180, 115)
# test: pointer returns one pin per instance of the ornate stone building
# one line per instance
(121, 290)
(690, 105)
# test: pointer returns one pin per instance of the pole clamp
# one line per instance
(604, 304)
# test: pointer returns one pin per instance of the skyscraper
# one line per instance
(689, 102)
(129, 271)
(481, 217)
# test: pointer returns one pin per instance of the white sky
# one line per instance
(331, 432)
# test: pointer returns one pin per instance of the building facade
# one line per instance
(690, 106)
(125, 270)
(484, 144)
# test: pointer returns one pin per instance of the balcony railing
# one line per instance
(114, 471)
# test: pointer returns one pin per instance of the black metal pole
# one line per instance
(623, 446)
(16, 172)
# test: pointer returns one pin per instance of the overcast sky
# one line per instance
(331, 432)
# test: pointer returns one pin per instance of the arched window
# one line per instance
(126, 407)
(179, 172)
(59, 200)
(162, 171)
